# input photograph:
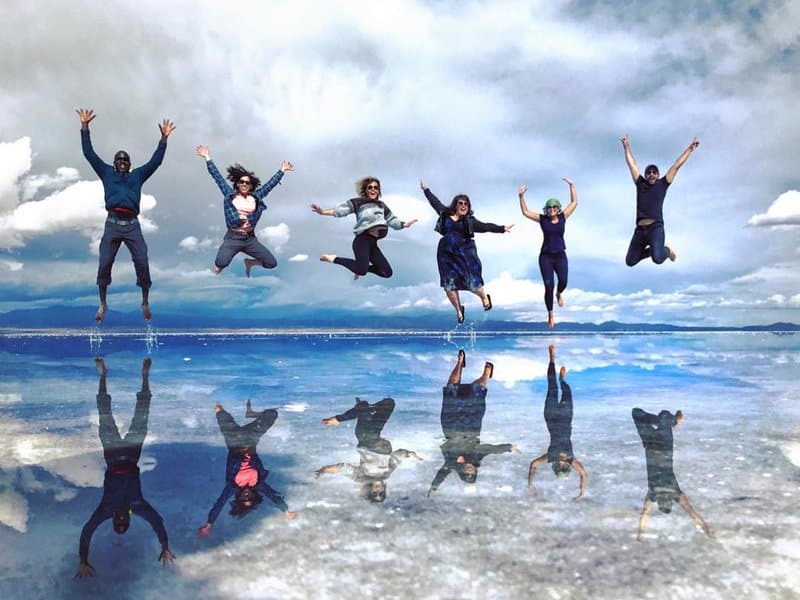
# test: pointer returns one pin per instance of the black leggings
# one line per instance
(369, 257)
(550, 264)
(247, 436)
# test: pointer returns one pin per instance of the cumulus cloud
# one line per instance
(785, 210)
(15, 161)
(276, 236)
(64, 175)
(192, 244)
(299, 258)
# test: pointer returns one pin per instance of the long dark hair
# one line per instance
(458, 197)
(237, 171)
(240, 509)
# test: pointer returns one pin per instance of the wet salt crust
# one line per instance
(735, 457)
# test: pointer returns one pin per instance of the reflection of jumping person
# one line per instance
(377, 461)
(456, 255)
(243, 207)
(558, 416)
(122, 187)
(463, 407)
(662, 485)
(648, 237)
(122, 487)
(553, 254)
(245, 475)
(373, 219)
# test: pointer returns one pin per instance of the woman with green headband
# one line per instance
(553, 255)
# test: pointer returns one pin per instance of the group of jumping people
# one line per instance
(460, 268)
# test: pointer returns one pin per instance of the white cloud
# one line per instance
(11, 265)
(299, 258)
(64, 175)
(192, 244)
(785, 210)
(276, 236)
(15, 161)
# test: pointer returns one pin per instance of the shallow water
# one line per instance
(736, 458)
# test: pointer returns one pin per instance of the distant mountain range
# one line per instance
(303, 317)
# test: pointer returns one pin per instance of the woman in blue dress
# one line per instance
(553, 255)
(457, 256)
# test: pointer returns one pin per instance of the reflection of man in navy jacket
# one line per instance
(662, 485)
(245, 474)
(122, 488)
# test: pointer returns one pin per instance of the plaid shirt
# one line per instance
(232, 217)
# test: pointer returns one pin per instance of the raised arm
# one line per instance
(327, 212)
(578, 466)
(573, 198)
(227, 492)
(224, 187)
(265, 189)
(432, 199)
(673, 170)
(84, 568)
(149, 514)
(629, 159)
(684, 502)
(166, 127)
(644, 518)
(86, 116)
(535, 464)
(523, 206)
(481, 227)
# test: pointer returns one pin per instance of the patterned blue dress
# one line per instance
(457, 258)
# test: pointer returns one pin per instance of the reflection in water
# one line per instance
(122, 488)
(463, 407)
(245, 474)
(558, 417)
(662, 486)
(377, 461)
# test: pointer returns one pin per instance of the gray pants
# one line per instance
(130, 234)
(234, 242)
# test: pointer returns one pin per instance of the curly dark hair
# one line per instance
(238, 507)
(237, 171)
(458, 197)
(361, 186)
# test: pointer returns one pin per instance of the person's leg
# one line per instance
(231, 245)
(562, 270)
(372, 421)
(360, 265)
(455, 375)
(547, 269)
(378, 263)
(551, 399)
(134, 241)
(645, 423)
(137, 432)
(483, 380)
(481, 293)
(257, 428)
(637, 250)
(659, 252)
(261, 255)
(109, 246)
(229, 428)
(108, 431)
(452, 295)
(565, 406)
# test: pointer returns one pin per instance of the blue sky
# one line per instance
(472, 97)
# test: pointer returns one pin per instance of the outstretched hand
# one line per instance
(166, 557)
(86, 115)
(522, 189)
(85, 570)
(290, 515)
(408, 224)
(695, 143)
(507, 228)
(317, 209)
(204, 531)
(166, 127)
(568, 181)
(203, 152)
(624, 140)
(422, 185)
(286, 166)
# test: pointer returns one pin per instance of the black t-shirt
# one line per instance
(650, 199)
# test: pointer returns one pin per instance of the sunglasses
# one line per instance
(650, 172)
(245, 182)
(462, 203)
(372, 186)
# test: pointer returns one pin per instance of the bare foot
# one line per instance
(563, 372)
(249, 263)
(248, 411)
(330, 421)
(551, 320)
(101, 312)
(217, 270)
(678, 418)
(146, 312)
(552, 350)
(328, 258)
(672, 255)
(101, 365)
(560, 300)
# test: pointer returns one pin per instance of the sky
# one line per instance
(471, 97)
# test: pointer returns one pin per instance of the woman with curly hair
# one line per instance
(243, 207)
(373, 219)
(457, 256)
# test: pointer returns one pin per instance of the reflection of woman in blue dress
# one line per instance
(457, 257)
